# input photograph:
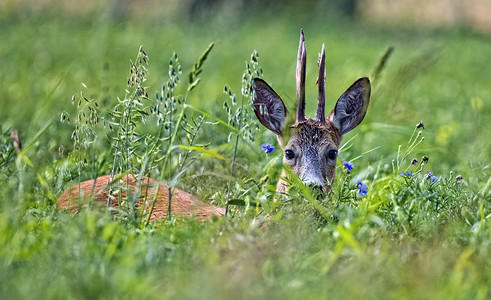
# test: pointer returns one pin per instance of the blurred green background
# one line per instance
(439, 71)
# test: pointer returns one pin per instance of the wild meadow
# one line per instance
(96, 92)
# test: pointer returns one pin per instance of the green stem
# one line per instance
(235, 153)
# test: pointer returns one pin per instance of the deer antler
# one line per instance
(321, 81)
(302, 56)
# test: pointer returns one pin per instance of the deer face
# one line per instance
(311, 153)
(310, 146)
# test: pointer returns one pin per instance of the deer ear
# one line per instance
(268, 107)
(351, 106)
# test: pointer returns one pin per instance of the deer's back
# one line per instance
(146, 193)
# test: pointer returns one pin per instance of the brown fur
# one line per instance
(182, 203)
(311, 140)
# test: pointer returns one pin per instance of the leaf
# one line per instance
(38, 134)
(365, 153)
(193, 75)
(202, 150)
(197, 65)
(194, 84)
(240, 202)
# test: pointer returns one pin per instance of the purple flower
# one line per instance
(433, 178)
(348, 165)
(267, 148)
(362, 189)
(407, 173)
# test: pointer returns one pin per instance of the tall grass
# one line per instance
(405, 222)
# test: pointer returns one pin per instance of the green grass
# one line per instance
(408, 238)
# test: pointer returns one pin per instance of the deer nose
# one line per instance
(317, 190)
(316, 187)
(313, 181)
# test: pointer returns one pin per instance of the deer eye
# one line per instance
(332, 154)
(289, 154)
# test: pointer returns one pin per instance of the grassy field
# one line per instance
(412, 236)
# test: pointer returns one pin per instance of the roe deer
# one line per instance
(310, 149)
(311, 145)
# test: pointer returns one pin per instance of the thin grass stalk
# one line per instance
(169, 150)
(235, 154)
(191, 142)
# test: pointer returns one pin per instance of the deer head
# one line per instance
(310, 146)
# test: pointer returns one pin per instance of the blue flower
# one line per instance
(348, 165)
(267, 148)
(407, 173)
(362, 189)
(433, 178)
